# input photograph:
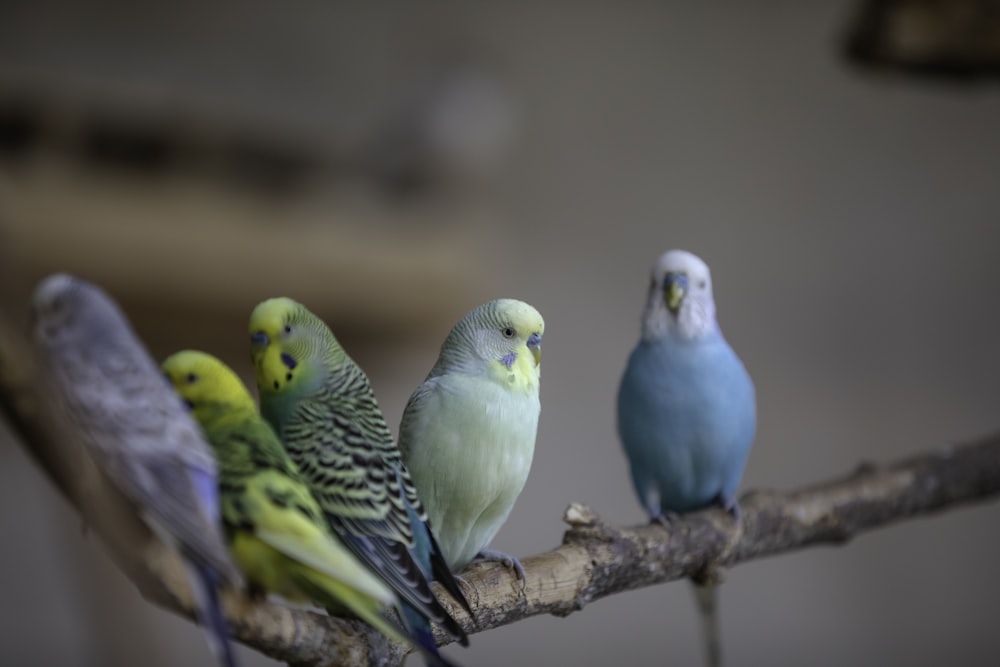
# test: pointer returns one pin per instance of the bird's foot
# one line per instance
(508, 561)
(732, 506)
(665, 519)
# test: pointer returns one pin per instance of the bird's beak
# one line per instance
(674, 290)
(535, 345)
(259, 340)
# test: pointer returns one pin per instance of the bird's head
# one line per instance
(207, 386)
(680, 297)
(67, 310)
(289, 346)
(505, 334)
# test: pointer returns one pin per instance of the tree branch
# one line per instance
(595, 559)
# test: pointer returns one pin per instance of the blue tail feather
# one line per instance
(419, 630)
(209, 611)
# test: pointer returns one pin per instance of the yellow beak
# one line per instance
(535, 345)
(674, 294)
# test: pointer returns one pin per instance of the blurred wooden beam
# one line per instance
(188, 245)
(175, 203)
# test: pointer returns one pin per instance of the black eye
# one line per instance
(191, 378)
(508, 332)
(288, 328)
(701, 284)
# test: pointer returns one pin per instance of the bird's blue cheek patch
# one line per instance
(508, 360)
(290, 363)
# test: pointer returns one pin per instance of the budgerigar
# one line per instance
(323, 408)
(686, 406)
(468, 432)
(276, 529)
(137, 431)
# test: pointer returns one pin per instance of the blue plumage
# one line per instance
(686, 419)
(686, 408)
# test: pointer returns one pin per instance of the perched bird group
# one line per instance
(310, 493)
(311, 498)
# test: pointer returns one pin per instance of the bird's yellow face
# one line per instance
(516, 344)
(206, 385)
(282, 337)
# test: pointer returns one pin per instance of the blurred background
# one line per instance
(392, 166)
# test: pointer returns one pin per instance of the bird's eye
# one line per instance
(702, 283)
(191, 378)
(508, 332)
(288, 328)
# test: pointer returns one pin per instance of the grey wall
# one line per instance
(852, 224)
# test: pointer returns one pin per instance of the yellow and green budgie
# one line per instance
(323, 408)
(468, 432)
(276, 530)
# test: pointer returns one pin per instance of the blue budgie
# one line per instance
(135, 428)
(686, 406)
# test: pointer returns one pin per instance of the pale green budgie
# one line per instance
(323, 408)
(137, 431)
(276, 529)
(686, 407)
(468, 432)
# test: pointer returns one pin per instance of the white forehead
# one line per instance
(51, 289)
(681, 261)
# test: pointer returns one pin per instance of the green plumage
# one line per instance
(276, 529)
(322, 405)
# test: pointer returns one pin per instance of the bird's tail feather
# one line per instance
(706, 595)
(340, 597)
(444, 576)
(419, 630)
(205, 584)
(428, 557)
